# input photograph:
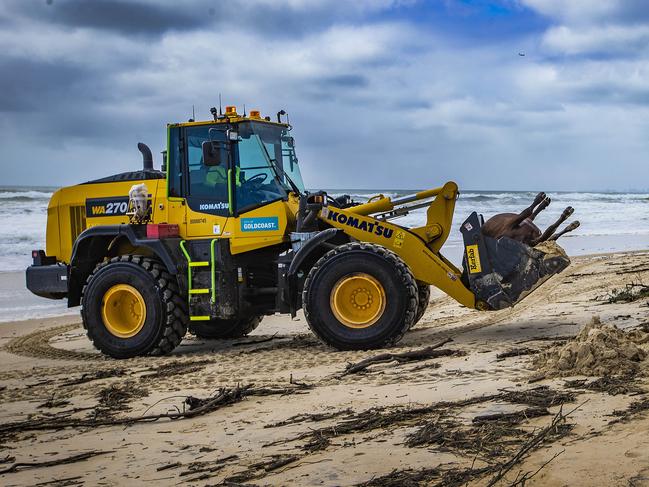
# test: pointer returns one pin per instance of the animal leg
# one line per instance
(527, 212)
(569, 228)
(542, 206)
(553, 228)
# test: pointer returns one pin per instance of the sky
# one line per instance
(502, 95)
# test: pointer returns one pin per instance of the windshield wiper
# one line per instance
(277, 169)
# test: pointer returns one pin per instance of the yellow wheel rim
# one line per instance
(123, 311)
(358, 300)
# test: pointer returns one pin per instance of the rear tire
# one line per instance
(360, 296)
(131, 306)
(423, 291)
(219, 329)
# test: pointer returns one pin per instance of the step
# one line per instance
(199, 291)
(199, 318)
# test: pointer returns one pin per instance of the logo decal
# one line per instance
(114, 206)
(352, 221)
(260, 224)
(213, 206)
(473, 259)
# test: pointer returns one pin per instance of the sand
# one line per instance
(363, 423)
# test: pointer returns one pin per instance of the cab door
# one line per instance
(206, 186)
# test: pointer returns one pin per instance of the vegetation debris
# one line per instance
(631, 292)
(612, 385)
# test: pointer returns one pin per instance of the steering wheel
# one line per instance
(257, 180)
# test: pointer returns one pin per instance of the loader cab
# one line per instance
(248, 164)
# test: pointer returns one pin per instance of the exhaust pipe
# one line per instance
(147, 157)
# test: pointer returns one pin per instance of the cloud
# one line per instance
(380, 93)
(622, 40)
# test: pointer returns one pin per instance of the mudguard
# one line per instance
(501, 272)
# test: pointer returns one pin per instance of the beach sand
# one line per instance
(50, 372)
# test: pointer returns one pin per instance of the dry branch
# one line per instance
(51, 463)
(409, 356)
(517, 352)
(531, 445)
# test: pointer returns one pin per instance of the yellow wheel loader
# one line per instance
(226, 233)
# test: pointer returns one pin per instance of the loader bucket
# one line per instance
(501, 272)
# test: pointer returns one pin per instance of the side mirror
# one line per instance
(212, 153)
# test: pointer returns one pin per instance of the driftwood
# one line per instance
(51, 463)
(312, 417)
(409, 356)
(517, 352)
(98, 375)
(515, 417)
(203, 469)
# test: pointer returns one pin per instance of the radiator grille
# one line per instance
(77, 221)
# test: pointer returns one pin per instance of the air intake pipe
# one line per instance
(147, 157)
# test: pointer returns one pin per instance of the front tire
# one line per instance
(423, 291)
(131, 306)
(360, 296)
(219, 329)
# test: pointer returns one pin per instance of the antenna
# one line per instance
(193, 113)
(220, 109)
(244, 109)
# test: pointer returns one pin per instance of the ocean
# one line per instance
(610, 222)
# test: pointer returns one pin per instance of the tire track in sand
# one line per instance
(37, 344)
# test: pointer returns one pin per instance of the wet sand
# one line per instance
(363, 424)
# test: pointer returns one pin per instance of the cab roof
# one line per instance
(231, 116)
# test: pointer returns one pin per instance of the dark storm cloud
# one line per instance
(29, 85)
(125, 17)
(151, 18)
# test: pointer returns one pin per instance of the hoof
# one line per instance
(574, 225)
(539, 197)
(546, 202)
(569, 211)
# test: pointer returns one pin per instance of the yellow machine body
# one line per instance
(419, 247)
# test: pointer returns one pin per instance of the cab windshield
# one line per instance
(266, 165)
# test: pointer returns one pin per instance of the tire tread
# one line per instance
(176, 320)
(403, 272)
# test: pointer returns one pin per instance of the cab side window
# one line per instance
(174, 164)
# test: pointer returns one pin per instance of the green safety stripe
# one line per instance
(189, 267)
(213, 270)
(199, 264)
(230, 207)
